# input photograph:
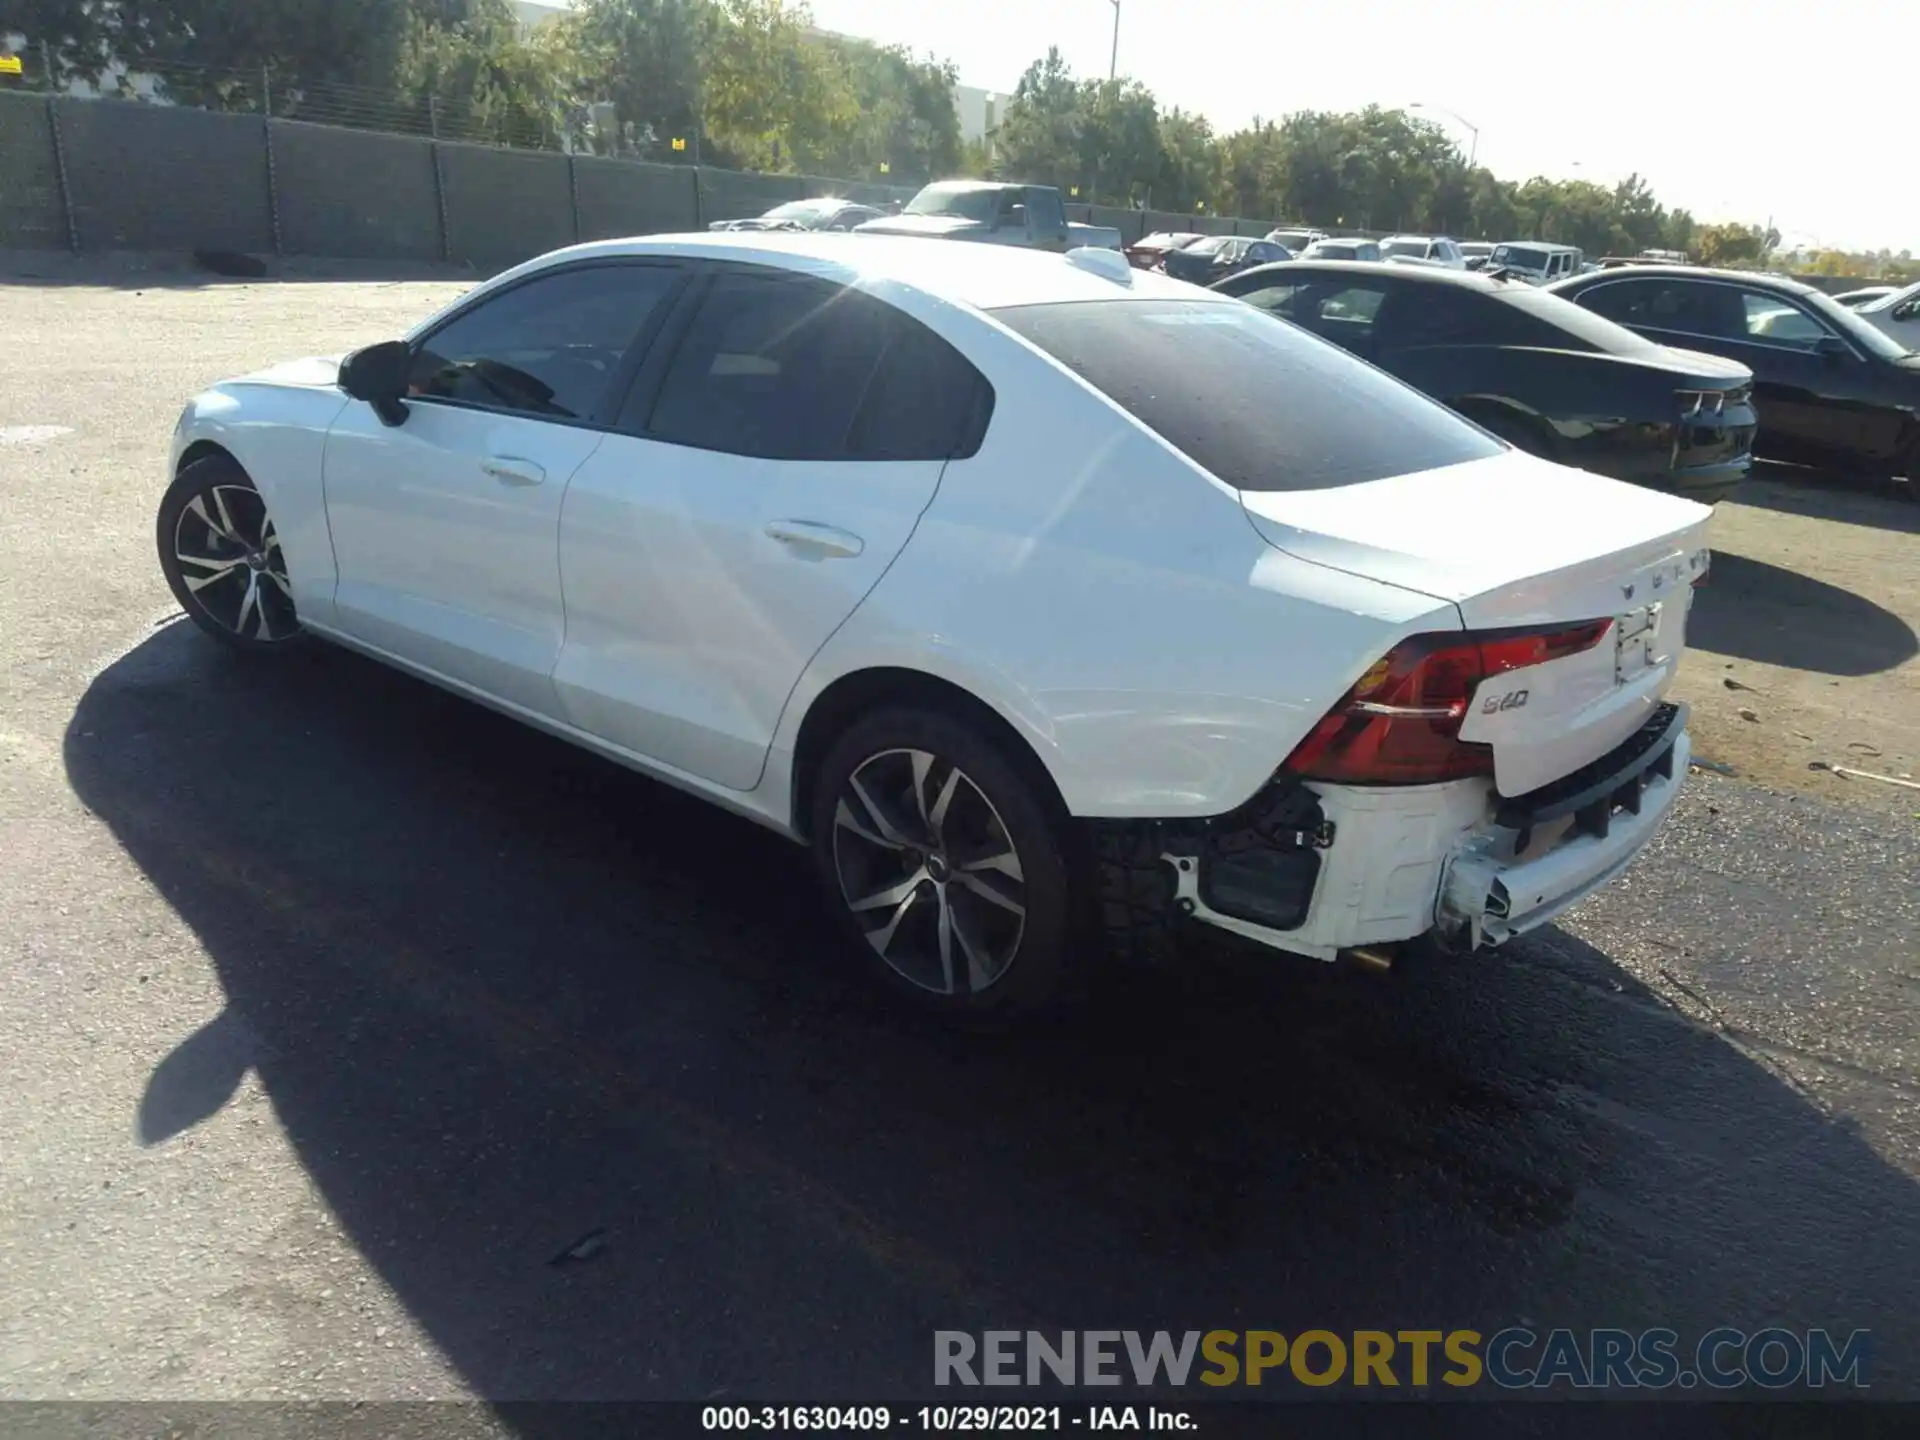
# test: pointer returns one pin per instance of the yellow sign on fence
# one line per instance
(679, 142)
(9, 64)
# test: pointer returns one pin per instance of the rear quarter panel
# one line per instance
(1114, 604)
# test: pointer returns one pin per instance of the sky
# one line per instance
(1734, 109)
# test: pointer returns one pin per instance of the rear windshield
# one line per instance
(1260, 403)
(1597, 331)
(1416, 249)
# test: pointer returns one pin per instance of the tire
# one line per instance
(222, 558)
(927, 870)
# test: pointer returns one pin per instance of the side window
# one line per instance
(1657, 305)
(1045, 210)
(548, 347)
(1435, 315)
(1345, 311)
(772, 365)
(1780, 322)
(785, 367)
(1272, 298)
(926, 401)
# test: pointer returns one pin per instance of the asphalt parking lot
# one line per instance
(356, 1043)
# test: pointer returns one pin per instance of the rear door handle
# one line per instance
(805, 535)
(511, 470)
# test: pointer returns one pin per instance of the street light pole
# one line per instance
(1473, 146)
(1113, 65)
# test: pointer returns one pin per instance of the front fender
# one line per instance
(278, 435)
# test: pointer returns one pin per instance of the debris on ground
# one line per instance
(585, 1248)
(1733, 684)
(1848, 773)
(1746, 714)
(1713, 765)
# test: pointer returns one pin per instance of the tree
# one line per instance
(1731, 245)
(1119, 140)
(902, 115)
(82, 37)
(645, 59)
(1039, 135)
(467, 57)
(1187, 170)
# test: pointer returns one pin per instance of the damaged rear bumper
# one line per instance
(1456, 860)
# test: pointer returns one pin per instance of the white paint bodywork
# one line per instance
(1161, 640)
(1897, 314)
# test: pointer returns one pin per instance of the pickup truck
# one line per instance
(985, 211)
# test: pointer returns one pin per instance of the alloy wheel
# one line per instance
(231, 563)
(929, 871)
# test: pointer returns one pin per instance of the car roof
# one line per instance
(1755, 280)
(1407, 274)
(1544, 245)
(984, 277)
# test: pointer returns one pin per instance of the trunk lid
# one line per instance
(1515, 542)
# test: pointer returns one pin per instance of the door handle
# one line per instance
(822, 539)
(510, 470)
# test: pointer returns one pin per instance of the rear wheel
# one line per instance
(222, 557)
(945, 865)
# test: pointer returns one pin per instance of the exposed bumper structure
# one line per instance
(1459, 862)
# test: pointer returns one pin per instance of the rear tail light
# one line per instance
(1400, 723)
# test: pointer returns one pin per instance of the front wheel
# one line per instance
(944, 864)
(222, 557)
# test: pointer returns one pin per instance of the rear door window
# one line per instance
(1257, 402)
(786, 367)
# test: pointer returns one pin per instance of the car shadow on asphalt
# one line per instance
(1765, 613)
(1825, 495)
(571, 1060)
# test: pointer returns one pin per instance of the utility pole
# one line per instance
(1113, 65)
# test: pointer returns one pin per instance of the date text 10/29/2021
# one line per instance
(944, 1419)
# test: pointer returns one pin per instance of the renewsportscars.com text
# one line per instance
(1514, 1358)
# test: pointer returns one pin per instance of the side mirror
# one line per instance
(378, 375)
(1015, 218)
(1832, 349)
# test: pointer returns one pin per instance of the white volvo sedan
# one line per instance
(1053, 604)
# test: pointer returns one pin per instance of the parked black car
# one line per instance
(1214, 257)
(1832, 390)
(1544, 375)
(822, 213)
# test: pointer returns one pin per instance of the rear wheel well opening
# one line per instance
(1519, 428)
(203, 450)
(843, 702)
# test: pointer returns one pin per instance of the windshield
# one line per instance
(1887, 302)
(1523, 257)
(969, 202)
(1292, 239)
(1167, 240)
(1332, 250)
(1415, 248)
(1207, 245)
(1476, 247)
(1258, 402)
(801, 210)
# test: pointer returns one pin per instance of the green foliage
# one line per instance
(750, 83)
